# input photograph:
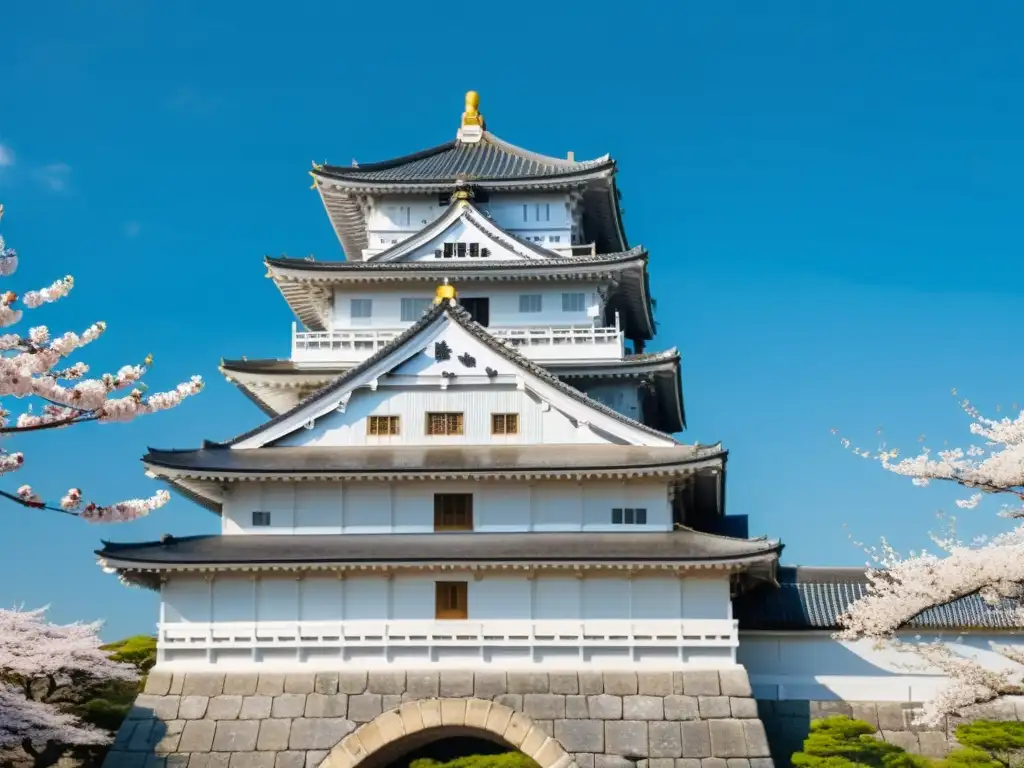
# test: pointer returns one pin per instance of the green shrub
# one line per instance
(841, 742)
(139, 650)
(504, 760)
(1001, 744)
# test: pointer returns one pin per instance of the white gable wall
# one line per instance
(386, 303)
(394, 218)
(312, 508)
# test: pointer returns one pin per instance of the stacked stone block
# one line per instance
(788, 723)
(692, 719)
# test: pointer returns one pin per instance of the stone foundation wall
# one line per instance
(698, 719)
(788, 722)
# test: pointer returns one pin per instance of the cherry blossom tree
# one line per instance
(37, 661)
(35, 366)
(901, 587)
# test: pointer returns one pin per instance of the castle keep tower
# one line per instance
(466, 509)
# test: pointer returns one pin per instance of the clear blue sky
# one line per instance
(830, 193)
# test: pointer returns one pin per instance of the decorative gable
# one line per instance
(463, 234)
(448, 364)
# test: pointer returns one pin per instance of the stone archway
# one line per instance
(467, 716)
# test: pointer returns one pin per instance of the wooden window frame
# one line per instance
(504, 419)
(373, 426)
(451, 600)
(450, 418)
(447, 515)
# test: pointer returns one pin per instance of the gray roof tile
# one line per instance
(490, 159)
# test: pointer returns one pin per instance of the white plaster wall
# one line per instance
(504, 303)
(814, 665)
(317, 508)
(325, 597)
(537, 423)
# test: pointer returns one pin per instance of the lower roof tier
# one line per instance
(680, 549)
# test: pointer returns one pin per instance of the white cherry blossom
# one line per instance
(899, 588)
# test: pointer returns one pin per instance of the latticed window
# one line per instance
(382, 425)
(444, 423)
(453, 511)
(451, 600)
(504, 423)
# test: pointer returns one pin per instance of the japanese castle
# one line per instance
(468, 459)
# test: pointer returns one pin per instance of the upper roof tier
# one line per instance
(478, 159)
(488, 160)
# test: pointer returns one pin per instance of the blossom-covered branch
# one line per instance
(899, 588)
(33, 366)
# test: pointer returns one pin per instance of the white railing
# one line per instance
(568, 342)
(616, 643)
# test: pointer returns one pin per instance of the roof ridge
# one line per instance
(526, 154)
(383, 165)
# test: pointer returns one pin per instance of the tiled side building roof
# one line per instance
(815, 598)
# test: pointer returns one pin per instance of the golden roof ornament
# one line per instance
(472, 127)
(445, 292)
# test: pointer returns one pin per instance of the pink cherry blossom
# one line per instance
(33, 367)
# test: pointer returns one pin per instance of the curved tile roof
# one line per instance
(815, 598)
(491, 159)
(683, 545)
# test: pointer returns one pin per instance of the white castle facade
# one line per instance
(468, 461)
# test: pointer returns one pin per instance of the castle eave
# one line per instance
(683, 549)
(499, 462)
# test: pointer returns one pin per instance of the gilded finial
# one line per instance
(316, 181)
(319, 166)
(445, 292)
(472, 114)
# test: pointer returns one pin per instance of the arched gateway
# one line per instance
(416, 723)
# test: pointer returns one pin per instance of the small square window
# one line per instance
(382, 426)
(449, 250)
(574, 302)
(444, 423)
(451, 600)
(641, 516)
(504, 423)
(361, 308)
(617, 516)
(627, 516)
(453, 511)
(260, 519)
(530, 303)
